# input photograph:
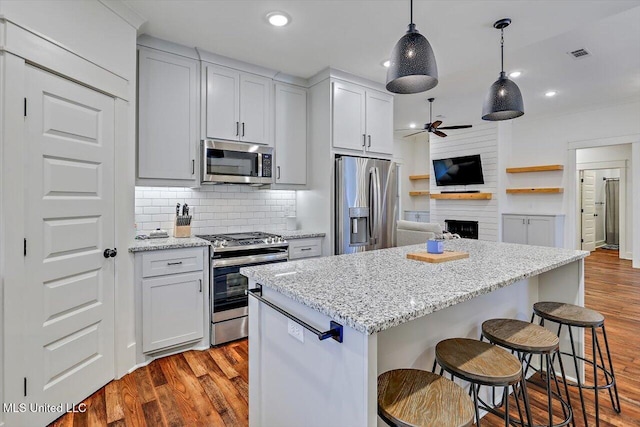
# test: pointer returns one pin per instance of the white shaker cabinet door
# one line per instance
(379, 122)
(223, 103)
(172, 310)
(541, 231)
(290, 134)
(167, 116)
(514, 229)
(349, 116)
(255, 103)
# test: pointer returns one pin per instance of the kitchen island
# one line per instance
(393, 312)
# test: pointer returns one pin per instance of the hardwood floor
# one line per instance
(211, 387)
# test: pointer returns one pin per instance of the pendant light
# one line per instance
(412, 67)
(504, 100)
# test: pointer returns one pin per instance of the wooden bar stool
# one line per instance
(528, 339)
(581, 317)
(412, 397)
(481, 363)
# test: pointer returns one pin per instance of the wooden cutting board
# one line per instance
(435, 258)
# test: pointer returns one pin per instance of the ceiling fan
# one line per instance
(434, 127)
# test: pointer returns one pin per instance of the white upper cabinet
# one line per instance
(237, 105)
(223, 103)
(379, 122)
(290, 134)
(167, 117)
(362, 119)
(349, 129)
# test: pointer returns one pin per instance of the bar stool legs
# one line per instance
(575, 316)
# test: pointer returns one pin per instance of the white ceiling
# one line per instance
(356, 36)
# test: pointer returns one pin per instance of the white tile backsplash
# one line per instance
(215, 209)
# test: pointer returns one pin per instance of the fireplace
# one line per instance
(466, 229)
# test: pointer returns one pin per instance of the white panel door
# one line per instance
(167, 101)
(223, 103)
(255, 107)
(541, 231)
(588, 197)
(348, 116)
(69, 222)
(514, 229)
(291, 134)
(379, 122)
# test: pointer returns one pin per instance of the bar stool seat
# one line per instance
(528, 338)
(520, 336)
(569, 314)
(413, 397)
(478, 362)
(484, 364)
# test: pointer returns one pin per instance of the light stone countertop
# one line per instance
(377, 290)
(167, 243)
(299, 234)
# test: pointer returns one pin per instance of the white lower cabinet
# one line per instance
(305, 248)
(172, 295)
(538, 230)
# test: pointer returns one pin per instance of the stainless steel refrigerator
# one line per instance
(367, 204)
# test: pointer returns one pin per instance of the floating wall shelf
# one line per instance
(418, 193)
(549, 190)
(417, 177)
(462, 196)
(542, 168)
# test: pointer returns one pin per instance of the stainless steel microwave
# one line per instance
(236, 163)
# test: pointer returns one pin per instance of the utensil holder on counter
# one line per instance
(182, 226)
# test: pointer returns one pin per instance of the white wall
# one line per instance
(215, 209)
(483, 140)
(546, 140)
(413, 156)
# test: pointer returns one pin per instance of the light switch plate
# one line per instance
(295, 330)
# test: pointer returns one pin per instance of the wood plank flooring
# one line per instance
(210, 388)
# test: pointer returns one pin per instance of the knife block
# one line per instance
(181, 230)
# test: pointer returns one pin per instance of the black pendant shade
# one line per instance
(412, 65)
(504, 100)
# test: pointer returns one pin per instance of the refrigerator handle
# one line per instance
(378, 206)
(372, 214)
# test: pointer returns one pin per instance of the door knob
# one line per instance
(110, 253)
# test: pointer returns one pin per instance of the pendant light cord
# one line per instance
(502, 49)
(411, 11)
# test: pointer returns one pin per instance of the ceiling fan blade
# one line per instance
(436, 124)
(457, 127)
(440, 134)
(416, 133)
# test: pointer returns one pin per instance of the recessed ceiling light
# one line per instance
(412, 125)
(550, 93)
(386, 63)
(515, 74)
(278, 19)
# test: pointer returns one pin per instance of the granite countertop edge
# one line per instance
(166, 243)
(299, 234)
(370, 328)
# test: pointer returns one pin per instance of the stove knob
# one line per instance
(266, 241)
(223, 243)
(280, 239)
(216, 244)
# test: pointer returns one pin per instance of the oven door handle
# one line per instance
(249, 260)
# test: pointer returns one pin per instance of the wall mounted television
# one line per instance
(464, 170)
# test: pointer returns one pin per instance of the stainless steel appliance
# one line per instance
(230, 252)
(367, 204)
(236, 163)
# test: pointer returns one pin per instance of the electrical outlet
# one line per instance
(295, 330)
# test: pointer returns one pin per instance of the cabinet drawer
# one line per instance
(305, 248)
(160, 263)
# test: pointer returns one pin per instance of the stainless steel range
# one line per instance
(230, 252)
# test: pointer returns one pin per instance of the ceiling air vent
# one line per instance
(580, 53)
